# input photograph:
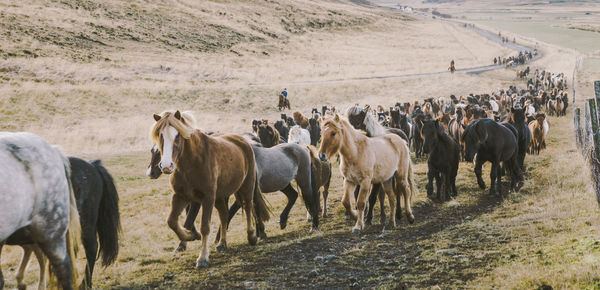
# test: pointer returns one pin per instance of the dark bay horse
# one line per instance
(495, 143)
(269, 136)
(207, 170)
(517, 119)
(442, 162)
(98, 206)
(38, 200)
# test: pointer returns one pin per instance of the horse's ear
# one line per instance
(367, 107)
(156, 117)
(178, 115)
(336, 117)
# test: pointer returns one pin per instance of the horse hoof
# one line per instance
(182, 247)
(201, 264)
(252, 240)
(262, 236)
(482, 185)
(356, 231)
(411, 218)
(368, 222)
(347, 216)
(282, 224)
(221, 248)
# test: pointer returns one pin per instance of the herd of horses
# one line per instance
(61, 201)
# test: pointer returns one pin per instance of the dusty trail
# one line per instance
(474, 70)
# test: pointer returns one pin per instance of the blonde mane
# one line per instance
(183, 126)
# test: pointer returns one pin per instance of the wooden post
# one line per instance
(587, 128)
(578, 129)
(595, 127)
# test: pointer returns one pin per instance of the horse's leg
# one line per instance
(325, 195)
(438, 184)
(56, 251)
(381, 196)
(177, 206)
(429, 187)
(232, 211)
(403, 184)
(291, 195)
(23, 266)
(447, 185)
(207, 204)
(1, 276)
(478, 165)
(360, 205)
(493, 173)
(375, 189)
(90, 245)
(348, 188)
(356, 190)
(388, 188)
(221, 206)
(42, 261)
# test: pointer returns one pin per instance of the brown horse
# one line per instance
(207, 170)
(283, 103)
(365, 161)
(539, 129)
(301, 120)
(322, 170)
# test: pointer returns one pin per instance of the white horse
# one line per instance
(299, 136)
(37, 204)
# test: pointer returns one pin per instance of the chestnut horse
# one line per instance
(283, 103)
(364, 161)
(207, 170)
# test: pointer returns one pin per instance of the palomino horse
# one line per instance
(38, 202)
(207, 170)
(361, 119)
(365, 161)
(283, 103)
(98, 203)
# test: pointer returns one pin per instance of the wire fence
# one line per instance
(587, 134)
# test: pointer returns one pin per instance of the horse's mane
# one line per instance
(313, 152)
(372, 126)
(168, 119)
(252, 139)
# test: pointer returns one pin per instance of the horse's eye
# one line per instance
(332, 133)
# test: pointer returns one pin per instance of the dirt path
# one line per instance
(474, 70)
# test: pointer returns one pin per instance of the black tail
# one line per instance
(108, 225)
(316, 197)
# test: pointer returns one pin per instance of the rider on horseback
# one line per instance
(284, 94)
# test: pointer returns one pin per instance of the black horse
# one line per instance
(416, 138)
(98, 206)
(495, 143)
(517, 119)
(283, 130)
(444, 155)
(314, 128)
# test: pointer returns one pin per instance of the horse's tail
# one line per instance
(261, 208)
(73, 230)
(108, 225)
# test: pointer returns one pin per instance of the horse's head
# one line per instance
(356, 116)
(331, 134)
(518, 115)
(474, 136)
(269, 137)
(295, 134)
(430, 133)
(154, 171)
(169, 133)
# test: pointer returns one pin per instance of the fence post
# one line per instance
(595, 127)
(578, 129)
(587, 127)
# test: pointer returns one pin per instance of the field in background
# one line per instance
(547, 234)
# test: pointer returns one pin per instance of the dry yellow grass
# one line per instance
(97, 108)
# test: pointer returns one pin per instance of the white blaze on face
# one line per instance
(166, 160)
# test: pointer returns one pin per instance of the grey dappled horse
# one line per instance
(36, 197)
